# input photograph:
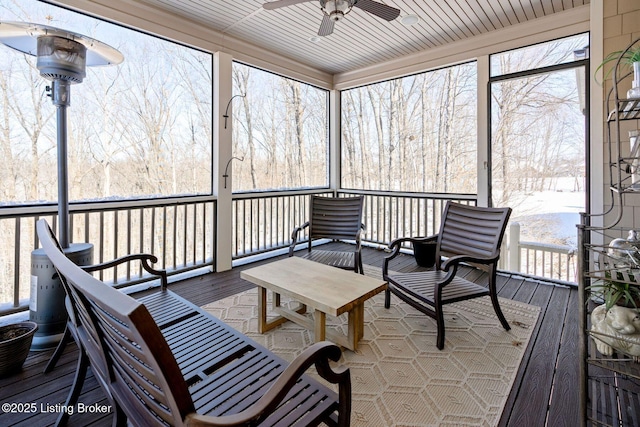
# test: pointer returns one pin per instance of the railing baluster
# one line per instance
(184, 238)
(164, 237)
(141, 222)
(100, 243)
(194, 239)
(16, 264)
(174, 236)
(153, 233)
(205, 233)
(129, 243)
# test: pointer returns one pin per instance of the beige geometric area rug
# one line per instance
(398, 376)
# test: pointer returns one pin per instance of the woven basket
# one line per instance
(15, 349)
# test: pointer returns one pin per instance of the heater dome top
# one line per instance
(23, 36)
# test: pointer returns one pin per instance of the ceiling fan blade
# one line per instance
(379, 9)
(282, 3)
(326, 26)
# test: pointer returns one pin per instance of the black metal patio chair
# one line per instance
(468, 234)
(336, 218)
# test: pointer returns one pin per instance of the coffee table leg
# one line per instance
(265, 325)
(360, 323)
(262, 309)
(276, 303)
(320, 321)
(355, 327)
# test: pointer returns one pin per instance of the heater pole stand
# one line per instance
(60, 96)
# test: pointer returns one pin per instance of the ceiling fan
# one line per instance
(335, 10)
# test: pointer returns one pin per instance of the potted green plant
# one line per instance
(629, 58)
(615, 323)
(618, 291)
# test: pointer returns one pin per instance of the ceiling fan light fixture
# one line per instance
(336, 9)
(409, 20)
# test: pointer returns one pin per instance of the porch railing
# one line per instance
(549, 261)
(179, 231)
(388, 216)
(182, 233)
(264, 221)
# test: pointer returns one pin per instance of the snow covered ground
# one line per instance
(550, 216)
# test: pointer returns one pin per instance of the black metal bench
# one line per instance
(191, 368)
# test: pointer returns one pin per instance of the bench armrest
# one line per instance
(318, 354)
(145, 260)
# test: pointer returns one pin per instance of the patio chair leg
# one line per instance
(440, 324)
(387, 298)
(496, 307)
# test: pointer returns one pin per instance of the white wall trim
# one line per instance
(222, 152)
(596, 111)
(335, 139)
(482, 129)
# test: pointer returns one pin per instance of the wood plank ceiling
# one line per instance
(360, 39)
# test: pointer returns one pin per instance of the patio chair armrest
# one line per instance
(145, 260)
(396, 245)
(294, 236)
(458, 259)
(318, 354)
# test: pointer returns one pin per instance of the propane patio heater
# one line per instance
(62, 57)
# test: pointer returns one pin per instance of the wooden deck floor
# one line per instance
(545, 392)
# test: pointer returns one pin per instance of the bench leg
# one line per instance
(76, 387)
(59, 350)
(119, 417)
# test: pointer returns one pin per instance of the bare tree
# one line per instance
(241, 77)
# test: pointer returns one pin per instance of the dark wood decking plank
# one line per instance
(516, 286)
(566, 396)
(532, 400)
(508, 285)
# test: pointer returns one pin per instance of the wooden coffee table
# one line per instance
(327, 290)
